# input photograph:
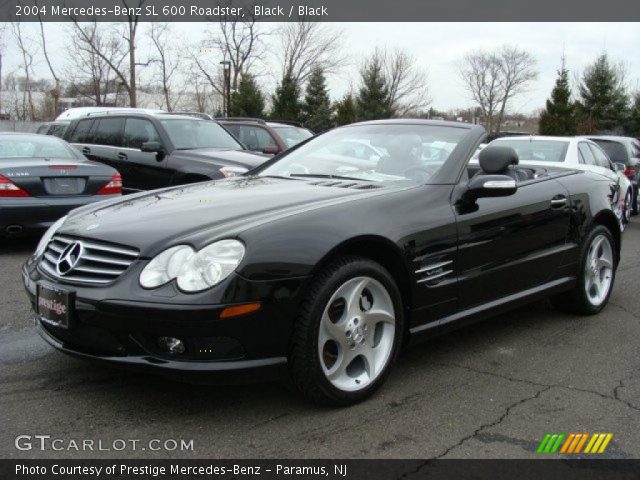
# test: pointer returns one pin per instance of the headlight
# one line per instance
(194, 271)
(48, 235)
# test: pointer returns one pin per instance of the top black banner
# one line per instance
(320, 10)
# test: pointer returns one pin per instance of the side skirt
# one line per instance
(495, 307)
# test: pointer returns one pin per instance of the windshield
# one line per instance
(373, 153)
(188, 134)
(32, 146)
(293, 135)
(536, 150)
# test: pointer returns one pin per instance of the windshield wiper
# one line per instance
(324, 175)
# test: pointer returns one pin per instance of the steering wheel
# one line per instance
(297, 168)
(418, 174)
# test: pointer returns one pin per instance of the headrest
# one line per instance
(496, 159)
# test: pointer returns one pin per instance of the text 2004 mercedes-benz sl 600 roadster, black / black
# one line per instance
(321, 266)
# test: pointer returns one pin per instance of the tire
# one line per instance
(596, 275)
(628, 207)
(342, 350)
(636, 202)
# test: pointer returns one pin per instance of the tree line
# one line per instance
(103, 61)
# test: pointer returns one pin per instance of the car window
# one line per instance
(255, 138)
(34, 146)
(109, 132)
(188, 134)
(585, 154)
(57, 130)
(601, 159)
(635, 149)
(138, 131)
(536, 150)
(81, 132)
(616, 151)
(292, 135)
(401, 147)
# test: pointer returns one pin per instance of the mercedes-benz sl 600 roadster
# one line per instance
(321, 265)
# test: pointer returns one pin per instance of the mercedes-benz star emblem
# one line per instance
(69, 258)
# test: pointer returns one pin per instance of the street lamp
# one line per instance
(226, 98)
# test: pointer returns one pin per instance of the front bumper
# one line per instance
(34, 214)
(126, 332)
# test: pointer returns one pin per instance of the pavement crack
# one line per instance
(500, 419)
(625, 309)
(614, 396)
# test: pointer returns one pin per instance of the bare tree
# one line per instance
(27, 52)
(305, 45)
(493, 78)
(3, 31)
(408, 89)
(93, 53)
(518, 70)
(55, 92)
(126, 74)
(238, 41)
(167, 59)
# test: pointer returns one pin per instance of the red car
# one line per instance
(266, 137)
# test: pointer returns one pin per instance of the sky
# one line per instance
(437, 48)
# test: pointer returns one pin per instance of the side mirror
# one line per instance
(270, 149)
(483, 186)
(619, 167)
(151, 147)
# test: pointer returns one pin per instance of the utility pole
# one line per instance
(226, 97)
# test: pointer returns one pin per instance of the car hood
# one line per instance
(205, 211)
(241, 158)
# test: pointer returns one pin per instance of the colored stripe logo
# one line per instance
(573, 443)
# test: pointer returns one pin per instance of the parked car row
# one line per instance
(322, 262)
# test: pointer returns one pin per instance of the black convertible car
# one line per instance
(322, 265)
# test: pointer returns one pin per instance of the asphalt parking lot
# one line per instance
(489, 391)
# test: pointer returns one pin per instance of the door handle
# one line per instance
(558, 201)
(122, 156)
(86, 150)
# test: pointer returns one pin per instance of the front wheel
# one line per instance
(348, 333)
(596, 274)
(636, 203)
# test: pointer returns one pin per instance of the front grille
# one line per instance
(100, 263)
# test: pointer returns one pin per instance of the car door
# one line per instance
(507, 245)
(106, 138)
(147, 170)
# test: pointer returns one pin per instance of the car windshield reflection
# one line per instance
(372, 153)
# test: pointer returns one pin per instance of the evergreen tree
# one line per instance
(248, 100)
(286, 101)
(346, 111)
(633, 124)
(559, 116)
(317, 108)
(603, 102)
(373, 97)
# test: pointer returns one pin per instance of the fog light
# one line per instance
(171, 345)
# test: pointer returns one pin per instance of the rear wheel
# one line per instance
(348, 333)
(628, 206)
(596, 274)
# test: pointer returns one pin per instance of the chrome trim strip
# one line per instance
(435, 277)
(105, 248)
(434, 266)
(51, 272)
(110, 261)
(98, 271)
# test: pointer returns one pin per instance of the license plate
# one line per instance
(53, 305)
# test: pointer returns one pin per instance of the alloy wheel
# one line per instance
(628, 206)
(356, 335)
(598, 270)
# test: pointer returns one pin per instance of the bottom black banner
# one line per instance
(310, 469)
